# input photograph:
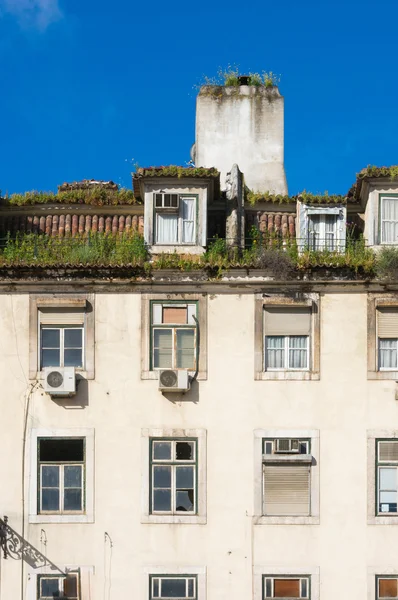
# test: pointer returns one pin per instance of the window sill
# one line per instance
(154, 375)
(286, 520)
(176, 249)
(174, 519)
(61, 518)
(383, 375)
(379, 520)
(287, 376)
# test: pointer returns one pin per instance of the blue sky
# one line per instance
(89, 88)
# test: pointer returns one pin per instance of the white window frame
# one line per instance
(60, 585)
(306, 211)
(320, 243)
(86, 574)
(61, 329)
(174, 466)
(379, 353)
(279, 572)
(33, 480)
(200, 516)
(177, 212)
(61, 468)
(286, 352)
(259, 517)
(187, 578)
(301, 578)
(384, 197)
(170, 571)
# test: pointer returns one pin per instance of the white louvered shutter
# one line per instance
(286, 489)
(61, 316)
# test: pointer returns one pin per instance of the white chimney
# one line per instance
(244, 125)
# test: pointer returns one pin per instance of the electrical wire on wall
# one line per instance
(107, 572)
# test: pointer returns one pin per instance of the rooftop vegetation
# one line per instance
(175, 171)
(231, 76)
(306, 197)
(95, 195)
(279, 257)
(372, 171)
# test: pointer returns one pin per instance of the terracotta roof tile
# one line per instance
(281, 223)
(70, 224)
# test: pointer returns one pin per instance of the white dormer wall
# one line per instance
(371, 195)
(304, 213)
(186, 187)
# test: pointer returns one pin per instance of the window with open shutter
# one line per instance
(387, 333)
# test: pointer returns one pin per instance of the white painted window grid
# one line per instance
(271, 585)
(322, 231)
(169, 586)
(290, 352)
(389, 220)
(62, 488)
(173, 345)
(62, 346)
(175, 219)
(59, 586)
(173, 465)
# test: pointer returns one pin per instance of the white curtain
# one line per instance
(389, 220)
(166, 229)
(298, 350)
(387, 354)
(314, 231)
(275, 352)
(188, 220)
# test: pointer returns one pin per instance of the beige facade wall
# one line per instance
(230, 405)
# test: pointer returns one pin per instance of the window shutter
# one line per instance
(286, 489)
(61, 316)
(287, 321)
(388, 451)
(387, 322)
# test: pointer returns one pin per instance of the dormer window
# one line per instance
(175, 218)
(321, 228)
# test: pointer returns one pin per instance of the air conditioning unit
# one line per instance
(60, 381)
(287, 446)
(174, 381)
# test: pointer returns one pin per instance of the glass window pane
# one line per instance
(72, 499)
(49, 587)
(188, 220)
(185, 500)
(298, 352)
(161, 450)
(304, 588)
(50, 499)
(185, 450)
(73, 338)
(388, 478)
(162, 348)
(162, 477)
(50, 358)
(50, 476)
(162, 500)
(50, 338)
(387, 354)
(73, 358)
(184, 477)
(70, 586)
(72, 476)
(191, 588)
(268, 588)
(275, 352)
(155, 587)
(174, 588)
(185, 348)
